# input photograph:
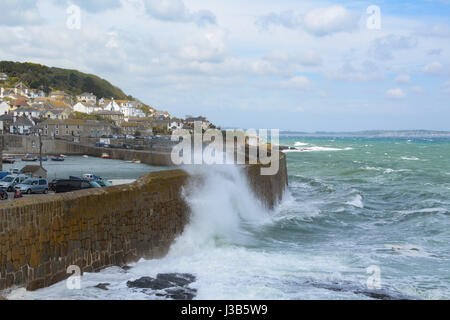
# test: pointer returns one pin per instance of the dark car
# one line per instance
(62, 186)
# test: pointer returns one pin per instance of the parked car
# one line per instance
(9, 182)
(62, 186)
(30, 186)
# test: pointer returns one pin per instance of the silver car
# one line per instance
(30, 186)
(9, 182)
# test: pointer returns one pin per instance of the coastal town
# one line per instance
(30, 115)
(24, 111)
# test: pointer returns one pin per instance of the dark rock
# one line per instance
(347, 286)
(169, 285)
(162, 281)
(181, 294)
(126, 268)
(179, 279)
(103, 286)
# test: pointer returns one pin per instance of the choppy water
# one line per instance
(351, 204)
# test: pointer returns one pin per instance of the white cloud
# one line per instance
(318, 22)
(434, 68)
(310, 58)
(19, 12)
(209, 47)
(176, 11)
(366, 71)
(403, 79)
(325, 21)
(297, 82)
(383, 48)
(396, 93)
(446, 87)
(417, 89)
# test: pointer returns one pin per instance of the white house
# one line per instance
(27, 112)
(86, 108)
(21, 125)
(87, 97)
(4, 108)
(111, 105)
(3, 76)
(175, 125)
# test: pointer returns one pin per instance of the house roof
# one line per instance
(6, 117)
(75, 122)
(20, 102)
(24, 122)
(31, 169)
(87, 94)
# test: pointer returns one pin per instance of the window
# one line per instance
(42, 182)
(57, 132)
(67, 126)
(46, 132)
(57, 126)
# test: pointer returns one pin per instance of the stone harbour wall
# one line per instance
(40, 237)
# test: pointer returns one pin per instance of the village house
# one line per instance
(191, 120)
(21, 125)
(110, 105)
(89, 98)
(27, 112)
(114, 116)
(4, 107)
(7, 92)
(3, 76)
(21, 102)
(135, 128)
(61, 96)
(76, 128)
(85, 107)
(6, 121)
(56, 114)
(175, 125)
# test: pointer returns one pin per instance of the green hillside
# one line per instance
(37, 76)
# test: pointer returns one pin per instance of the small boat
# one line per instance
(91, 176)
(29, 158)
(8, 159)
(105, 156)
(58, 159)
(44, 159)
(134, 161)
(85, 156)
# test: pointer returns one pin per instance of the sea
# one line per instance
(362, 218)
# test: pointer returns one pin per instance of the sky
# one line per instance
(285, 64)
